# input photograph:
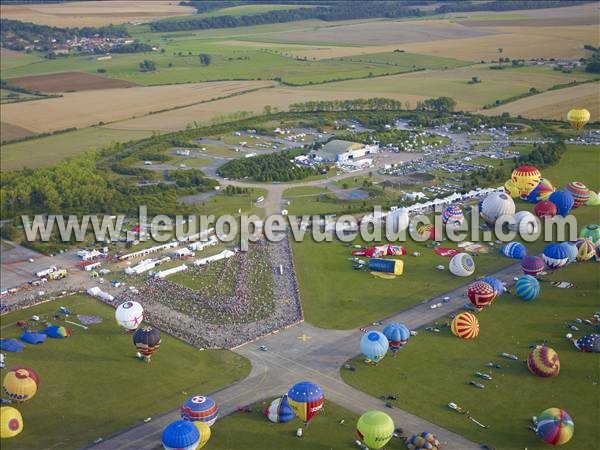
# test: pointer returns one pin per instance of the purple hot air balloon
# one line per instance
(532, 265)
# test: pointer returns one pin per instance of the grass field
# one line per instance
(69, 412)
(48, 150)
(508, 402)
(324, 433)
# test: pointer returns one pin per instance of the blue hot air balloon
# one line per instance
(397, 334)
(527, 287)
(180, 435)
(514, 250)
(306, 399)
(555, 256)
(374, 345)
(496, 284)
(200, 408)
(571, 250)
(563, 200)
(279, 410)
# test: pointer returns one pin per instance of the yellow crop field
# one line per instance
(86, 108)
(94, 13)
(554, 104)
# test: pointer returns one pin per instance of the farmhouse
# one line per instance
(340, 151)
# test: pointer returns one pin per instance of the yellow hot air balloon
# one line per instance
(511, 189)
(578, 117)
(375, 428)
(526, 178)
(20, 384)
(204, 431)
(11, 422)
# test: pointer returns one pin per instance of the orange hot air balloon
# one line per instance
(465, 326)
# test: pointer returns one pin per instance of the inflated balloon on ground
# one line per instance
(462, 265)
(306, 399)
(514, 250)
(423, 441)
(375, 429)
(532, 265)
(555, 426)
(541, 192)
(147, 340)
(591, 231)
(11, 422)
(397, 335)
(180, 435)
(571, 250)
(20, 384)
(465, 326)
(543, 362)
(545, 209)
(555, 256)
(200, 408)
(563, 200)
(374, 345)
(205, 433)
(496, 284)
(453, 216)
(279, 410)
(580, 193)
(586, 249)
(497, 204)
(481, 294)
(526, 178)
(527, 287)
(588, 343)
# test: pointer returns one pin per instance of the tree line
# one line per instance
(360, 104)
(327, 11)
(272, 167)
(503, 5)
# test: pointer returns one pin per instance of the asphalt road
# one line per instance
(305, 352)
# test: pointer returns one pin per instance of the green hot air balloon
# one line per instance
(375, 429)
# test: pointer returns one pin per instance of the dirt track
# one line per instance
(68, 81)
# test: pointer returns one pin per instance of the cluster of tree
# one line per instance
(16, 35)
(134, 47)
(235, 190)
(440, 105)
(273, 167)
(502, 5)
(192, 178)
(360, 104)
(205, 59)
(543, 155)
(147, 66)
(326, 10)
(593, 63)
(203, 6)
(383, 137)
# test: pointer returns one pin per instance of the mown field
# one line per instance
(434, 368)
(124, 390)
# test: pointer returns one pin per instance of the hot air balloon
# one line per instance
(591, 231)
(555, 426)
(586, 249)
(570, 249)
(555, 256)
(147, 340)
(375, 429)
(545, 209)
(20, 384)
(588, 343)
(532, 265)
(496, 204)
(563, 200)
(527, 287)
(429, 232)
(594, 199)
(525, 223)
(462, 265)
(481, 294)
(514, 250)
(543, 362)
(496, 284)
(58, 332)
(397, 334)
(180, 435)
(423, 441)
(578, 118)
(465, 325)
(511, 189)
(306, 399)
(453, 216)
(205, 433)
(541, 192)
(374, 345)
(129, 315)
(392, 266)
(526, 178)
(11, 422)
(279, 410)
(200, 408)
(580, 193)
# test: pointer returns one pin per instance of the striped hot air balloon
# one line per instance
(532, 265)
(526, 178)
(586, 249)
(541, 192)
(527, 287)
(397, 334)
(279, 410)
(514, 250)
(481, 294)
(465, 325)
(580, 193)
(200, 408)
(543, 362)
(555, 426)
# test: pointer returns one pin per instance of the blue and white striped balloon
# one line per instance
(514, 250)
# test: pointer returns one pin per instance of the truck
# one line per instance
(58, 274)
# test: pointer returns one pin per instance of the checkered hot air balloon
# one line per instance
(586, 249)
(555, 256)
(200, 408)
(588, 343)
(465, 325)
(545, 209)
(481, 294)
(580, 193)
(527, 287)
(555, 426)
(423, 441)
(543, 362)
(532, 265)
(496, 284)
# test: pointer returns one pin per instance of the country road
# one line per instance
(307, 352)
